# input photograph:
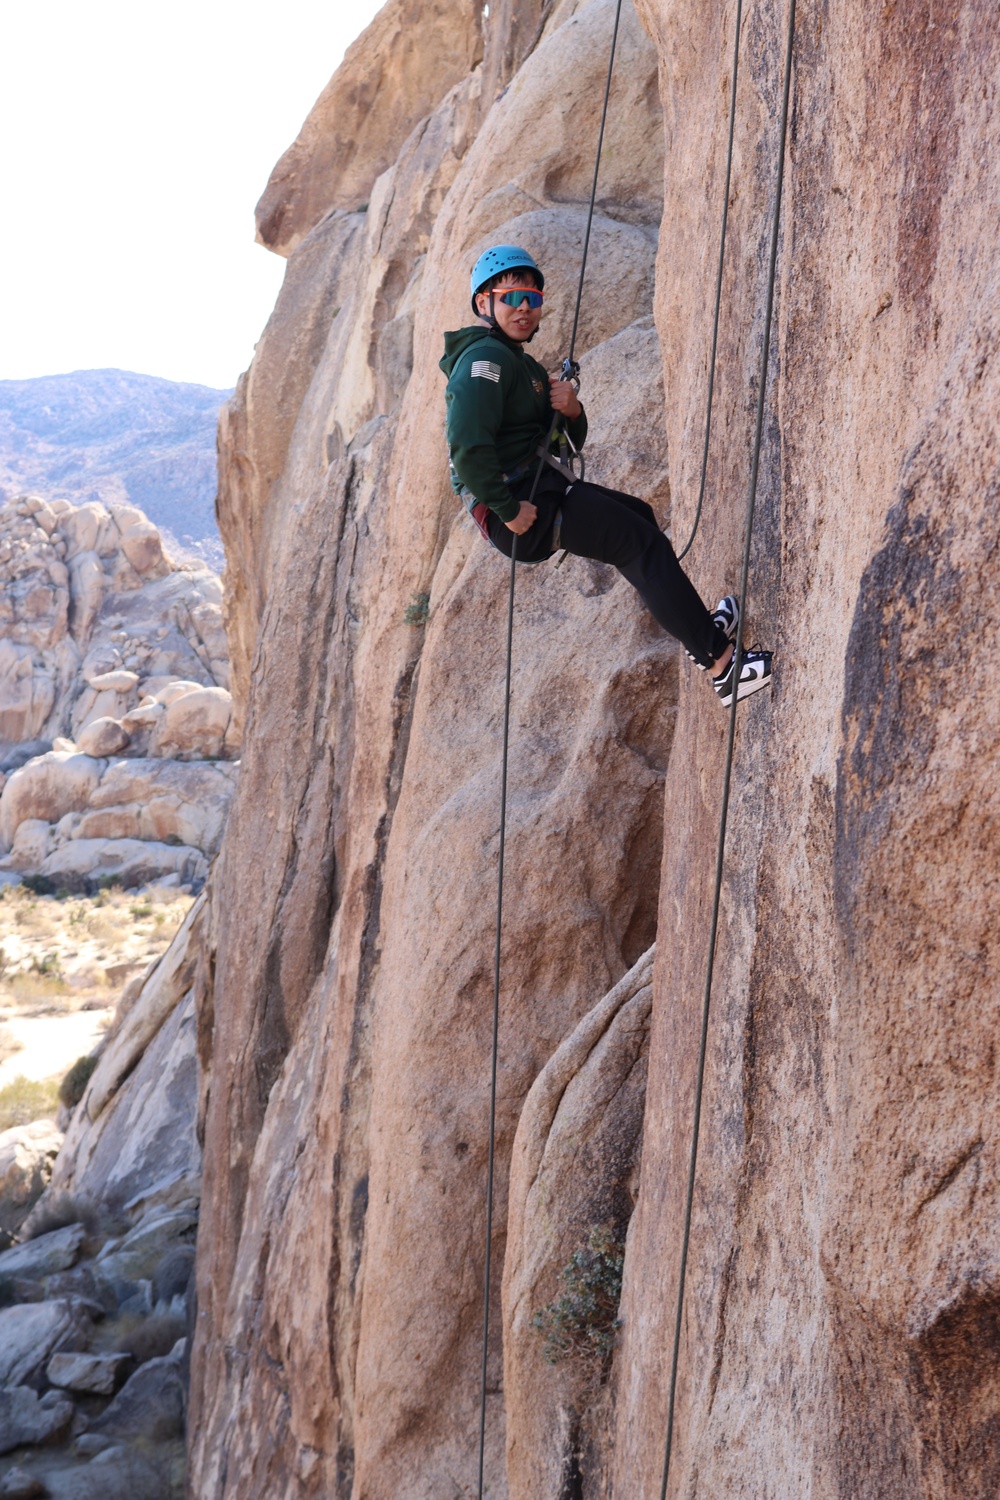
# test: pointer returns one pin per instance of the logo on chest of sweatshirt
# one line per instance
(485, 369)
(537, 387)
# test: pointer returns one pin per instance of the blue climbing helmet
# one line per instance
(496, 260)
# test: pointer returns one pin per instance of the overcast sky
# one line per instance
(136, 140)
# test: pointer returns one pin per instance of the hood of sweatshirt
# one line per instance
(455, 344)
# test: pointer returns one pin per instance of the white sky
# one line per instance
(135, 140)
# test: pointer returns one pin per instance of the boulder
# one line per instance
(195, 723)
(109, 823)
(27, 1153)
(32, 842)
(144, 1248)
(143, 546)
(19, 1484)
(82, 863)
(31, 1333)
(171, 690)
(25, 1420)
(87, 585)
(118, 681)
(149, 1405)
(144, 717)
(93, 1374)
(52, 1252)
(116, 1473)
(27, 693)
(47, 787)
(172, 1275)
(81, 527)
(103, 737)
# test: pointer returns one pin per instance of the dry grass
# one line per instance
(24, 1100)
(40, 994)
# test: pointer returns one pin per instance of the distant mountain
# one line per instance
(112, 435)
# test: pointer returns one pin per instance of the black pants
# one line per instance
(619, 529)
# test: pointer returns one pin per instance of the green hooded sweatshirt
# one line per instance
(498, 412)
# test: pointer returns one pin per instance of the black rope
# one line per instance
(718, 284)
(496, 1018)
(720, 855)
(568, 366)
(593, 189)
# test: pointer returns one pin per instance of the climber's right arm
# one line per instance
(475, 398)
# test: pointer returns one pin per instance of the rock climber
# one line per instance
(501, 405)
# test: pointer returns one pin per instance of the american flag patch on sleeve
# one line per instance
(485, 369)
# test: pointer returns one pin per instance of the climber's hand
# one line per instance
(564, 398)
(524, 520)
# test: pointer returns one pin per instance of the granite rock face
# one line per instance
(841, 1308)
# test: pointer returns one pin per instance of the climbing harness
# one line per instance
(727, 779)
(570, 371)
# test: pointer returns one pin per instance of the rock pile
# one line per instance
(94, 1316)
(114, 676)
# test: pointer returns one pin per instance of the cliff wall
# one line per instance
(840, 1329)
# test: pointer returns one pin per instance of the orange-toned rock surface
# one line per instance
(839, 1338)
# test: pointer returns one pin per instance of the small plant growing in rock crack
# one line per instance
(72, 1088)
(582, 1322)
(416, 611)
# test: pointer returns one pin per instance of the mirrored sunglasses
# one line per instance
(513, 296)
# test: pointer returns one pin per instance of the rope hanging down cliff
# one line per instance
(721, 851)
(570, 370)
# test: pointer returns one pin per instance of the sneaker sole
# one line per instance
(747, 690)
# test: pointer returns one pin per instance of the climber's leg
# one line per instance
(619, 529)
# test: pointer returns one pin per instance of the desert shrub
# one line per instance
(582, 1322)
(72, 1088)
(47, 964)
(417, 610)
(152, 1338)
(39, 885)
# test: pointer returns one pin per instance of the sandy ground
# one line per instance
(48, 1046)
(63, 966)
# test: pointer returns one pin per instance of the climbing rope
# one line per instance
(718, 285)
(593, 186)
(570, 371)
(496, 1017)
(721, 849)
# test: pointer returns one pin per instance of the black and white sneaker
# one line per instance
(755, 673)
(726, 615)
